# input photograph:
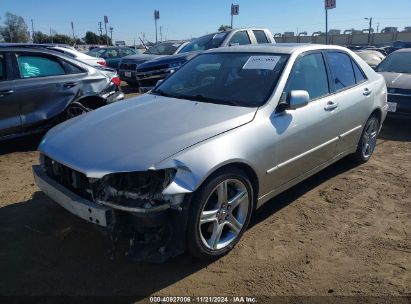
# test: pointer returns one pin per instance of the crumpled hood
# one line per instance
(136, 134)
(397, 80)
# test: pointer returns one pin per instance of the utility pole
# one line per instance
(32, 31)
(156, 17)
(235, 10)
(378, 26)
(10, 34)
(105, 25)
(328, 4)
(100, 29)
(111, 34)
(51, 35)
(369, 30)
(161, 33)
(72, 28)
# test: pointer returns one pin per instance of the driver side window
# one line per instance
(309, 74)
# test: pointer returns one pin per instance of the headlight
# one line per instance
(176, 65)
(134, 189)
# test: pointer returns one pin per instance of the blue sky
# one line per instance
(192, 18)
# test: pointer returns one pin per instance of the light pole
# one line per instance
(156, 17)
(369, 30)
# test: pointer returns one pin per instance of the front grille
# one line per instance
(153, 68)
(73, 180)
(147, 82)
(128, 66)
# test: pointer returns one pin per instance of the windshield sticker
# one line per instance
(261, 63)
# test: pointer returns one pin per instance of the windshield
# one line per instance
(396, 62)
(166, 48)
(205, 42)
(239, 79)
(96, 52)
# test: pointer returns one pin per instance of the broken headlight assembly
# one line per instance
(134, 191)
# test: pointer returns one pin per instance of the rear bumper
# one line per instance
(70, 201)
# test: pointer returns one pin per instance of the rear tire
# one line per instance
(219, 214)
(75, 109)
(368, 140)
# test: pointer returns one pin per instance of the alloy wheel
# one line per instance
(224, 214)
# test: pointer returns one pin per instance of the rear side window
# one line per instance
(359, 75)
(260, 37)
(72, 69)
(309, 74)
(2, 67)
(38, 66)
(240, 38)
(112, 53)
(341, 70)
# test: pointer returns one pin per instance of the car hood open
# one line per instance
(136, 134)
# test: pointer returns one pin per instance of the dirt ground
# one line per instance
(345, 231)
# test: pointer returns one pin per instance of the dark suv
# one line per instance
(150, 72)
(40, 88)
(128, 64)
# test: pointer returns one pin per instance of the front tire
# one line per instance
(219, 214)
(368, 140)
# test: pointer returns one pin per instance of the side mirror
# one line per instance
(298, 99)
(295, 99)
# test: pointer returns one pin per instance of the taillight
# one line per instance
(116, 80)
(102, 62)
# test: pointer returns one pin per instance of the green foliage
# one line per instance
(224, 28)
(93, 38)
(14, 29)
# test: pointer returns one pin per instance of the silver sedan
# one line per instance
(184, 166)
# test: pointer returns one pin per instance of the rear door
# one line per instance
(46, 85)
(353, 95)
(9, 105)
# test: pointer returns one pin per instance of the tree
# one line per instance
(91, 38)
(224, 28)
(15, 29)
(40, 37)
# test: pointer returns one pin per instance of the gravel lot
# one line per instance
(345, 231)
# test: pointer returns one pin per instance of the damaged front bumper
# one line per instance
(153, 234)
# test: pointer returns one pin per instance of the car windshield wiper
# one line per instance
(202, 98)
(162, 93)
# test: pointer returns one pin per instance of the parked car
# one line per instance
(184, 166)
(128, 64)
(94, 61)
(396, 69)
(112, 55)
(371, 57)
(61, 48)
(39, 88)
(397, 45)
(150, 72)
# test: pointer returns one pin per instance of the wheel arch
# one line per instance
(92, 102)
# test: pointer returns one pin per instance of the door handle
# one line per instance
(69, 85)
(367, 92)
(331, 106)
(6, 92)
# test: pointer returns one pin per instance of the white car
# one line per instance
(94, 61)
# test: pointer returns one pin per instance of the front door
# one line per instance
(306, 137)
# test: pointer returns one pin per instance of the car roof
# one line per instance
(278, 48)
(404, 50)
